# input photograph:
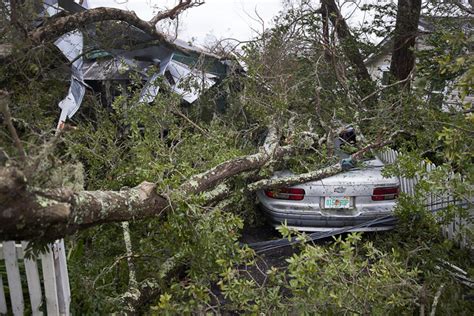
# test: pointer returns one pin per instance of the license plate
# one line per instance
(337, 202)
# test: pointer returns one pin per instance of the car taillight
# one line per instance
(293, 194)
(386, 193)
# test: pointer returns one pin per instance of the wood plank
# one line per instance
(408, 185)
(450, 231)
(49, 279)
(62, 277)
(3, 301)
(430, 195)
(404, 185)
(34, 284)
(427, 200)
(384, 156)
(412, 185)
(13, 277)
(19, 252)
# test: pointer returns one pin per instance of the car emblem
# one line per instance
(340, 189)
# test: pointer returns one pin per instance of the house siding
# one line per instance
(377, 65)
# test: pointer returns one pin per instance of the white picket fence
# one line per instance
(55, 279)
(456, 230)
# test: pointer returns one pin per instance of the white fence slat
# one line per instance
(13, 276)
(19, 252)
(404, 186)
(34, 284)
(432, 197)
(49, 279)
(3, 301)
(394, 156)
(451, 231)
(62, 277)
(413, 183)
(407, 186)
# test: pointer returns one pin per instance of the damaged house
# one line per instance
(104, 57)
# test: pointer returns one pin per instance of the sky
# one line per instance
(216, 19)
(221, 19)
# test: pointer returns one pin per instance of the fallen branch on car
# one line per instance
(29, 212)
(324, 172)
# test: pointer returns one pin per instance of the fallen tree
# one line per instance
(29, 212)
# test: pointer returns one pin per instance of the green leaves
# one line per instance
(334, 279)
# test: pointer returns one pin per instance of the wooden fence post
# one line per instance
(49, 279)
(33, 280)
(62, 277)
(13, 277)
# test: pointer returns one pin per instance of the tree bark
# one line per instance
(4, 108)
(209, 179)
(321, 173)
(325, 21)
(406, 29)
(60, 25)
(64, 24)
(349, 46)
(28, 213)
(31, 213)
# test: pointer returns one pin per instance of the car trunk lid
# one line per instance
(356, 182)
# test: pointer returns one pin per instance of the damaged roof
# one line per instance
(113, 50)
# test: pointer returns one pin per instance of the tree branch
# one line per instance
(29, 213)
(349, 45)
(209, 179)
(56, 27)
(436, 299)
(461, 6)
(175, 11)
(4, 100)
(321, 173)
(149, 289)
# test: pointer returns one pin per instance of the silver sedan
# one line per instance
(347, 199)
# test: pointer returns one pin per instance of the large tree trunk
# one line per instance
(406, 29)
(28, 213)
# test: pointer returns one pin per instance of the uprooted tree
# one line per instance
(191, 170)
